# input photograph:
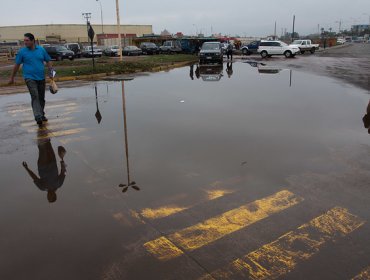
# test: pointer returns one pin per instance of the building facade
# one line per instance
(360, 27)
(67, 32)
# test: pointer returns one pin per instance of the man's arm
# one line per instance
(14, 72)
(29, 171)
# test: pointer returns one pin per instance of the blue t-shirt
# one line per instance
(33, 62)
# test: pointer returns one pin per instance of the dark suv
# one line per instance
(211, 52)
(75, 47)
(149, 48)
(59, 52)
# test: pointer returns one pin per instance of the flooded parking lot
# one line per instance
(245, 171)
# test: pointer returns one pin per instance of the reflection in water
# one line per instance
(211, 73)
(98, 115)
(254, 63)
(192, 72)
(197, 72)
(263, 68)
(229, 69)
(49, 178)
(130, 183)
(366, 118)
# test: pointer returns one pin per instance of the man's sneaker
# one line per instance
(39, 122)
(44, 119)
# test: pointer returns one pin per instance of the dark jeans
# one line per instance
(229, 54)
(37, 91)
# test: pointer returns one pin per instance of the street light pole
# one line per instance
(101, 16)
(87, 16)
(119, 31)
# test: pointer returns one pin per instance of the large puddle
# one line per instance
(176, 175)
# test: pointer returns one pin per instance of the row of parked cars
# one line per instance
(75, 50)
(213, 52)
(268, 48)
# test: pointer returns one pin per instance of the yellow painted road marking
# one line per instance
(61, 133)
(168, 210)
(26, 109)
(75, 139)
(203, 233)
(161, 212)
(276, 259)
(163, 249)
(214, 194)
(58, 120)
(52, 128)
(364, 275)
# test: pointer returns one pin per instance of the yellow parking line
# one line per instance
(58, 120)
(171, 209)
(52, 128)
(161, 212)
(26, 109)
(214, 194)
(52, 134)
(364, 275)
(74, 139)
(203, 233)
(276, 259)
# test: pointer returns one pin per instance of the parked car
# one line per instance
(211, 52)
(251, 48)
(132, 50)
(149, 48)
(59, 52)
(270, 48)
(75, 47)
(89, 52)
(305, 45)
(111, 51)
(341, 41)
(171, 47)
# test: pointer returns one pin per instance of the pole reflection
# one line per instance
(130, 183)
(98, 115)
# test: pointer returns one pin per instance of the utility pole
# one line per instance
(318, 29)
(90, 34)
(293, 28)
(101, 16)
(119, 31)
(87, 16)
(275, 31)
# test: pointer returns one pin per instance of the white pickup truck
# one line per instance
(305, 45)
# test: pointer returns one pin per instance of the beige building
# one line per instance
(67, 32)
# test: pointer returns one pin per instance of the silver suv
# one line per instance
(270, 48)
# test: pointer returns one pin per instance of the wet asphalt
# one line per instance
(246, 171)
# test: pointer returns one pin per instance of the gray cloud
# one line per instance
(228, 17)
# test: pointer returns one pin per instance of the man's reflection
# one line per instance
(366, 118)
(229, 69)
(192, 72)
(197, 72)
(49, 179)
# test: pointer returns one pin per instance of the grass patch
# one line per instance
(108, 65)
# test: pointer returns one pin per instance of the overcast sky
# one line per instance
(238, 17)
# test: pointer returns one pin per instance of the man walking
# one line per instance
(33, 57)
(229, 51)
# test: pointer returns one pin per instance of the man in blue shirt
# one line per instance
(33, 57)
